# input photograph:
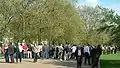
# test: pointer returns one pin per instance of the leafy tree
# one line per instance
(36, 20)
(92, 17)
(111, 25)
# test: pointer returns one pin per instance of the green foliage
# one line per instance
(111, 25)
(35, 20)
(92, 17)
(58, 21)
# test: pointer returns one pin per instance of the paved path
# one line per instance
(41, 64)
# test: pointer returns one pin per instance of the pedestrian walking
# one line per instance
(45, 51)
(79, 56)
(19, 52)
(6, 54)
(73, 51)
(87, 54)
(11, 52)
(36, 50)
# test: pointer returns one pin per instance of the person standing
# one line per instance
(87, 54)
(73, 51)
(29, 52)
(11, 52)
(6, 54)
(19, 52)
(79, 56)
(97, 52)
(93, 54)
(45, 51)
(0, 51)
(115, 50)
(56, 52)
(69, 52)
(60, 52)
(40, 48)
(25, 49)
(36, 50)
(51, 51)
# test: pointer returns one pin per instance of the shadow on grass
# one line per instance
(110, 63)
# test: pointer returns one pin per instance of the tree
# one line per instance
(111, 25)
(36, 20)
(92, 17)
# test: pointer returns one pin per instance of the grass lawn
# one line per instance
(110, 61)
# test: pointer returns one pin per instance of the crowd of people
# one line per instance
(89, 55)
(110, 49)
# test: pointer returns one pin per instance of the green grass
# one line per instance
(110, 61)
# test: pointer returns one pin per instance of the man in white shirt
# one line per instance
(87, 54)
(79, 56)
(40, 48)
(87, 49)
(20, 47)
(73, 51)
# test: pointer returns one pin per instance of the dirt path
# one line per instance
(40, 64)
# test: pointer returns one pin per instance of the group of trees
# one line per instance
(36, 20)
(57, 21)
(102, 25)
(92, 17)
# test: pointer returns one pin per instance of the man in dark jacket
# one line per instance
(97, 54)
(18, 52)
(11, 52)
(93, 54)
(79, 56)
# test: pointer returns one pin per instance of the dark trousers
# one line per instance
(19, 56)
(79, 61)
(32, 54)
(51, 53)
(87, 58)
(12, 58)
(35, 57)
(95, 63)
(73, 56)
(6, 58)
(22, 54)
(115, 51)
(56, 57)
(40, 54)
(92, 59)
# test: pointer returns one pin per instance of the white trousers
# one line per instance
(29, 54)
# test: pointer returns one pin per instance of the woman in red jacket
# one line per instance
(25, 49)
